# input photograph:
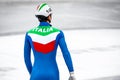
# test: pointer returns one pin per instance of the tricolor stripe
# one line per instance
(44, 48)
(44, 4)
(44, 44)
(41, 6)
(43, 39)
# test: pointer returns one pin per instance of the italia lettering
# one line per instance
(35, 29)
(44, 30)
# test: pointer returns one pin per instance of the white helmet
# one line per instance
(43, 10)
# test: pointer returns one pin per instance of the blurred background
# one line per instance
(91, 27)
(17, 16)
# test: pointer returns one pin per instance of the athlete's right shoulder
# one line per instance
(32, 30)
(29, 31)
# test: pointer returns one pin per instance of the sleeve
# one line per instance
(65, 52)
(27, 54)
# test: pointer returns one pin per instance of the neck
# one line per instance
(48, 21)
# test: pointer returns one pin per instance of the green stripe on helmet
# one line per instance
(44, 4)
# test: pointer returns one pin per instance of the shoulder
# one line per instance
(30, 31)
(58, 30)
(61, 33)
(55, 29)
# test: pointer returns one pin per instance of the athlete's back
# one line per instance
(44, 41)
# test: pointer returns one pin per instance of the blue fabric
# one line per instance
(44, 24)
(45, 66)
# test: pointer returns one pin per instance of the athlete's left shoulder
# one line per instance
(61, 33)
(57, 29)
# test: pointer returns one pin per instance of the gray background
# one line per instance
(17, 16)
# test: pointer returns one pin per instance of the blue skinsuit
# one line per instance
(45, 66)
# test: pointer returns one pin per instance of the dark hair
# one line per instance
(42, 18)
